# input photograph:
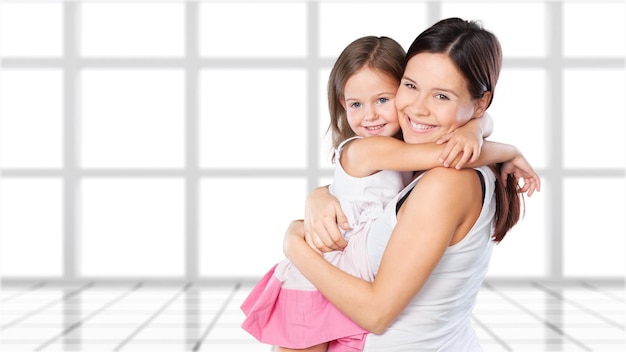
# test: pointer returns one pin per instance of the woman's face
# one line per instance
(369, 100)
(433, 98)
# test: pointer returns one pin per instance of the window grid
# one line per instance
(71, 64)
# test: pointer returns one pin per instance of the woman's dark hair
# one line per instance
(474, 50)
(381, 54)
(478, 55)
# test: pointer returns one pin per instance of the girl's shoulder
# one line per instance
(343, 144)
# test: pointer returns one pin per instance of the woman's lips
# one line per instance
(420, 127)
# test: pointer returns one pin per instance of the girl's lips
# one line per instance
(374, 130)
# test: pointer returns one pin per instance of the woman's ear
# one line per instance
(482, 104)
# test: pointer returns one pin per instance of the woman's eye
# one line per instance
(410, 85)
(442, 97)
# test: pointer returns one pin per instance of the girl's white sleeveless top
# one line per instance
(438, 317)
(363, 198)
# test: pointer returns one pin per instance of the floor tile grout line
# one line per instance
(596, 289)
(212, 335)
(491, 333)
(82, 321)
(22, 292)
(151, 318)
(538, 318)
(579, 306)
(200, 341)
(46, 306)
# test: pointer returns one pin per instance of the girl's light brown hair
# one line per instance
(382, 54)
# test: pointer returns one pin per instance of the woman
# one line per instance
(431, 248)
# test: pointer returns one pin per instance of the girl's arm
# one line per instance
(467, 139)
(323, 213)
(414, 249)
(366, 156)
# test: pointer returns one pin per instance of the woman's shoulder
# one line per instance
(448, 183)
(447, 176)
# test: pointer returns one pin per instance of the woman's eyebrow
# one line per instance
(447, 90)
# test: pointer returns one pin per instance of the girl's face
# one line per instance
(369, 102)
(433, 98)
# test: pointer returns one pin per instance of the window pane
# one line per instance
(253, 118)
(594, 227)
(593, 98)
(132, 118)
(243, 222)
(31, 228)
(342, 23)
(519, 111)
(510, 257)
(253, 30)
(31, 29)
(31, 118)
(135, 29)
(594, 29)
(520, 27)
(132, 227)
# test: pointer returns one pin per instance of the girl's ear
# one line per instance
(342, 101)
(481, 104)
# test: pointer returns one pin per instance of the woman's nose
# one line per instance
(418, 105)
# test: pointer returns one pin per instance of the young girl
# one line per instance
(285, 309)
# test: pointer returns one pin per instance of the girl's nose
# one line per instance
(369, 114)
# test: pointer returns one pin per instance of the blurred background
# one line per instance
(173, 141)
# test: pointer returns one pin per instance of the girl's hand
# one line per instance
(462, 147)
(521, 169)
(323, 218)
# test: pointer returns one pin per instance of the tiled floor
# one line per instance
(141, 317)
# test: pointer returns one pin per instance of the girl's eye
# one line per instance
(355, 105)
(383, 100)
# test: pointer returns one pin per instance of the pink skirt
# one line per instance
(298, 318)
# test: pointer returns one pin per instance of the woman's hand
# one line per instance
(521, 169)
(323, 218)
(295, 232)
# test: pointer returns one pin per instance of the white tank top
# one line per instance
(363, 198)
(438, 317)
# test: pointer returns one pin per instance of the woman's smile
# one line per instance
(419, 126)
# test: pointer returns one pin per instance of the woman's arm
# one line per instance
(322, 218)
(414, 249)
